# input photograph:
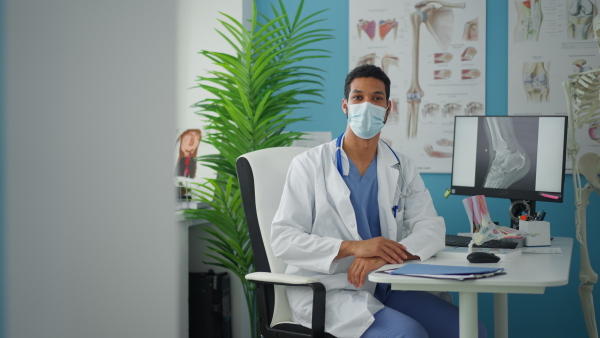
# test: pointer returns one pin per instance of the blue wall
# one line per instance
(558, 312)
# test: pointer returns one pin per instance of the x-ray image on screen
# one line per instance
(507, 153)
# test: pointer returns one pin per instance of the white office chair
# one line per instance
(262, 175)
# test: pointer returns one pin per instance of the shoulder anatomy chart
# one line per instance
(434, 54)
(548, 40)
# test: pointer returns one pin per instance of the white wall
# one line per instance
(91, 242)
(198, 20)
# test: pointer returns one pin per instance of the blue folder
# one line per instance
(430, 269)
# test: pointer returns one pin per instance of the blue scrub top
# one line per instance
(363, 195)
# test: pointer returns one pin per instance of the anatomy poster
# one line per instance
(434, 54)
(549, 40)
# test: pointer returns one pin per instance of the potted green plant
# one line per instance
(254, 94)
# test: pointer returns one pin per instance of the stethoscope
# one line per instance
(398, 195)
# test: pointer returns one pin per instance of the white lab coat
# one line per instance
(315, 215)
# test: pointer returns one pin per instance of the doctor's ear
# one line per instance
(345, 107)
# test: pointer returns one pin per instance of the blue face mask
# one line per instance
(366, 119)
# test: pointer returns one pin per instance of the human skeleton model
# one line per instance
(529, 20)
(581, 13)
(583, 104)
(439, 22)
(510, 162)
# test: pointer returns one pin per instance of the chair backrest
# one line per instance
(262, 174)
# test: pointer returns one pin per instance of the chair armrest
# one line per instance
(280, 278)
(319, 294)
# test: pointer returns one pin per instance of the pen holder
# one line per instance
(532, 227)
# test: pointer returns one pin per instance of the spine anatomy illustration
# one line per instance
(510, 162)
(583, 104)
(529, 20)
(535, 81)
(581, 13)
(439, 22)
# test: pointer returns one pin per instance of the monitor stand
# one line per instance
(517, 208)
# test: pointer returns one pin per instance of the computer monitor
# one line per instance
(512, 157)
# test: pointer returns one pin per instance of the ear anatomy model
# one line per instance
(535, 81)
(468, 54)
(385, 26)
(583, 104)
(438, 17)
(368, 27)
(471, 32)
(509, 162)
(580, 15)
(529, 20)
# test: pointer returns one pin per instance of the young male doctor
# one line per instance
(351, 206)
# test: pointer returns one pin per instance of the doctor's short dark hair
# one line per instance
(367, 71)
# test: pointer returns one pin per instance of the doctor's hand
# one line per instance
(360, 268)
(391, 251)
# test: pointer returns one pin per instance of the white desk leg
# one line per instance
(500, 315)
(467, 303)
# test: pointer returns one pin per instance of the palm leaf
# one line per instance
(254, 95)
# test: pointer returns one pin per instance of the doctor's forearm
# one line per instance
(391, 251)
(345, 250)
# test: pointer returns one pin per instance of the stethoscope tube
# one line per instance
(338, 156)
(338, 153)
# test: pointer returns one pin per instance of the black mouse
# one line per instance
(482, 257)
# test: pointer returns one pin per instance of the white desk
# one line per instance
(527, 273)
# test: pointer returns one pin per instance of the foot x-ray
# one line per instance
(506, 154)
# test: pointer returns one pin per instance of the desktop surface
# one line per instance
(528, 273)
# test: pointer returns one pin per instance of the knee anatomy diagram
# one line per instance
(580, 16)
(535, 81)
(509, 162)
(439, 22)
(583, 105)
